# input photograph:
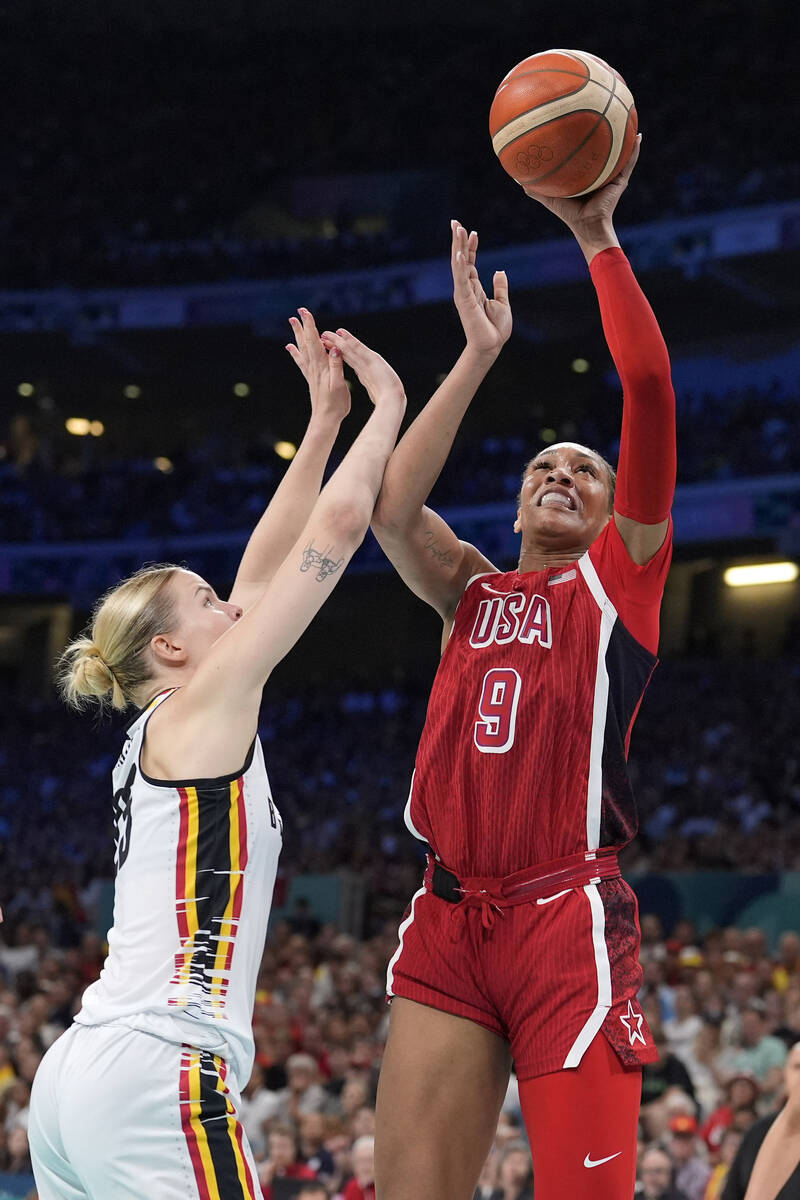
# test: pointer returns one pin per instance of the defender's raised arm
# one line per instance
(427, 554)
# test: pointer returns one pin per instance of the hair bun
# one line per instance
(87, 674)
(92, 674)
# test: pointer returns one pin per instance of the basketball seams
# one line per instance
(556, 71)
(601, 117)
(559, 117)
(614, 152)
(607, 87)
(561, 106)
(613, 94)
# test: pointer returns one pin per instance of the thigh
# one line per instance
(582, 1124)
(143, 1116)
(441, 1088)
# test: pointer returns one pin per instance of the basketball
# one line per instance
(563, 123)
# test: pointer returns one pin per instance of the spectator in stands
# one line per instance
(787, 965)
(728, 1148)
(692, 1171)
(362, 1158)
(18, 1151)
(281, 1173)
(741, 1091)
(313, 1132)
(769, 1154)
(759, 1051)
(681, 1030)
(303, 1093)
(656, 1177)
(662, 1080)
(514, 1173)
(257, 1108)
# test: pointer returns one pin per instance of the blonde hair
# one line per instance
(109, 663)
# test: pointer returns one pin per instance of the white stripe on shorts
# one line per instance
(401, 933)
(604, 994)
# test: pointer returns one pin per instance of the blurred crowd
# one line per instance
(54, 487)
(724, 1006)
(170, 155)
(717, 783)
(724, 1010)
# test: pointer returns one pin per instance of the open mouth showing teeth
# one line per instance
(556, 500)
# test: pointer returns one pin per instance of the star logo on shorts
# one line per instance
(633, 1023)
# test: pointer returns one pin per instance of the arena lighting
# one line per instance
(241, 389)
(78, 426)
(580, 365)
(775, 572)
(25, 389)
(132, 391)
(97, 428)
(548, 435)
(285, 450)
(163, 464)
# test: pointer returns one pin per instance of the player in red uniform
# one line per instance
(523, 940)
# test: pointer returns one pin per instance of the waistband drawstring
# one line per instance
(481, 898)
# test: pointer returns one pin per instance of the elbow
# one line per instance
(382, 520)
(652, 380)
(345, 524)
(388, 518)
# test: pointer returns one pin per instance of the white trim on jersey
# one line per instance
(410, 826)
(604, 993)
(401, 934)
(480, 575)
(587, 569)
(594, 790)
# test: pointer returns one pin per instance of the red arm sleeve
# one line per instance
(647, 458)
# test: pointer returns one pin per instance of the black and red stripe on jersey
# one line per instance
(523, 755)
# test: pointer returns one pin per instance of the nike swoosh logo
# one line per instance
(549, 899)
(598, 1162)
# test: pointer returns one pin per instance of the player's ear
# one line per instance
(517, 524)
(166, 650)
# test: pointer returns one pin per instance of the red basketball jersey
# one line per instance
(523, 756)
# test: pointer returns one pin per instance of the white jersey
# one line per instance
(196, 862)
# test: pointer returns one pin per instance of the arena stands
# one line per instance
(180, 155)
(56, 489)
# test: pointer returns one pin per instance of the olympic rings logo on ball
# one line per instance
(533, 157)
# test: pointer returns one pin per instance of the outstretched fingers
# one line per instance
(460, 262)
(308, 350)
(467, 286)
(297, 348)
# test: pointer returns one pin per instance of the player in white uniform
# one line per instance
(140, 1097)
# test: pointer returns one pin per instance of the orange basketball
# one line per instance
(563, 122)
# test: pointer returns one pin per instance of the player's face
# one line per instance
(202, 616)
(565, 496)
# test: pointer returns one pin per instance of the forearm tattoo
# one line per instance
(445, 557)
(318, 558)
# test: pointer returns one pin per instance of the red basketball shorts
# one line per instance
(547, 975)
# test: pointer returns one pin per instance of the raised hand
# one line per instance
(322, 369)
(587, 213)
(382, 382)
(486, 322)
